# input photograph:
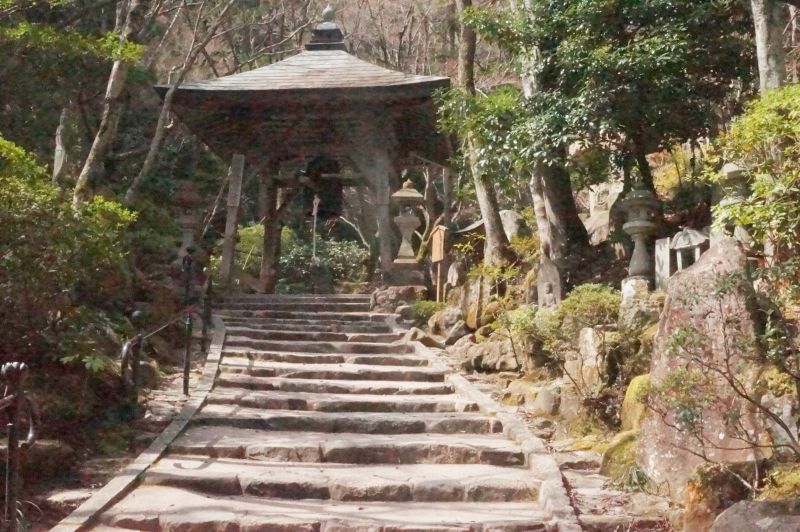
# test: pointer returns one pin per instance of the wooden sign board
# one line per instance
(438, 239)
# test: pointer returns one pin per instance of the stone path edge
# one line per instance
(553, 496)
(83, 517)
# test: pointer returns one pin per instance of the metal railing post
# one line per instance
(187, 356)
(207, 302)
(14, 374)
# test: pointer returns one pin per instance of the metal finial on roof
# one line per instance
(328, 14)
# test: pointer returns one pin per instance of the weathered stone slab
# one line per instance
(709, 321)
(392, 483)
(152, 507)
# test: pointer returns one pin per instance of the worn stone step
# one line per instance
(314, 347)
(166, 508)
(339, 402)
(260, 368)
(348, 327)
(363, 317)
(297, 306)
(311, 336)
(354, 298)
(346, 482)
(337, 422)
(387, 388)
(374, 359)
(227, 442)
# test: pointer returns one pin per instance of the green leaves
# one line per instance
(58, 267)
(70, 44)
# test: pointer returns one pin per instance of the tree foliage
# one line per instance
(625, 76)
(58, 268)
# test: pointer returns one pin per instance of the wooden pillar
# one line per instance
(235, 174)
(447, 195)
(268, 276)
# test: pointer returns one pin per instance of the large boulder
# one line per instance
(442, 321)
(494, 354)
(707, 331)
(388, 298)
(759, 516)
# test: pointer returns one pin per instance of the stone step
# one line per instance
(363, 317)
(375, 359)
(260, 368)
(348, 327)
(346, 482)
(351, 298)
(166, 508)
(388, 388)
(296, 306)
(227, 442)
(310, 336)
(338, 422)
(318, 402)
(314, 347)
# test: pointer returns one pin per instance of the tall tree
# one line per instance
(496, 248)
(769, 19)
(134, 15)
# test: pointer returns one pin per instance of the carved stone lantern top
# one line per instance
(408, 195)
(640, 206)
(687, 239)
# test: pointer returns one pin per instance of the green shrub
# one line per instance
(61, 269)
(424, 309)
(765, 142)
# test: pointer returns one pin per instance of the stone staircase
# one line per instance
(322, 418)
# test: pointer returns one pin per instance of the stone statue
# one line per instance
(548, 284)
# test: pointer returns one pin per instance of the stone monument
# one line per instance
(548, 282)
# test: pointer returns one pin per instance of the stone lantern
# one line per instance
(188, 202)
(640, 208)
(405, 269)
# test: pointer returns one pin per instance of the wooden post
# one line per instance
(272, 236)
(234, 195)
(438, 243)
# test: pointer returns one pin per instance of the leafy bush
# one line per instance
(59, 268)
(424, 309)
(336, 261)
(765, 142)
(588, 305)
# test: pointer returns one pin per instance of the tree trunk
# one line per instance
(561, 232)
(769, 18)
(112, 106)
(496, 250)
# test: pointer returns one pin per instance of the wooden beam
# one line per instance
(235, 174)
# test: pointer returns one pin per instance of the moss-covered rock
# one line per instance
(634, 406)
(620, 455)
(782, 483)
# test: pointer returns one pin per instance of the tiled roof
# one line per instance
(314, 70)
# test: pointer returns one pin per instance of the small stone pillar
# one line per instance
(640, 207)
(731, 189)
(405, 268)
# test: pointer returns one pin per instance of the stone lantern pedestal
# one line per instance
(640, 207)
(406, 270)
